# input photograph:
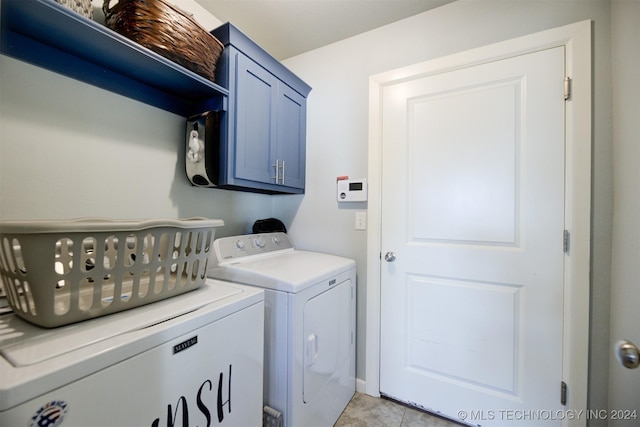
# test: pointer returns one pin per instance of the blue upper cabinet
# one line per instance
(264, 129)
(51, 36)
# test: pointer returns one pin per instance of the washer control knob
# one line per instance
(275, 240)
(260, 242)
(239, 244)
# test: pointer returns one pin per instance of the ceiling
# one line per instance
(286, 28)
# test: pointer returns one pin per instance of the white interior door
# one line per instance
(624, 389)
(472, 229)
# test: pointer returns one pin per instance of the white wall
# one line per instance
(338, 125)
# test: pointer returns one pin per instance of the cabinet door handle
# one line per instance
(277, 166)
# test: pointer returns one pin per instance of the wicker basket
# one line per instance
(83, 7)
(60, 272)
(167, 31)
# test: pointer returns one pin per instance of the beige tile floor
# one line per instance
(367, 411)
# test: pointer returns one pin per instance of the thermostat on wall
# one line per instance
(352, 190)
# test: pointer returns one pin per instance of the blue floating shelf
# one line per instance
(51, 36)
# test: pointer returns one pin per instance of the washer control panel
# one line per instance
(236, 247)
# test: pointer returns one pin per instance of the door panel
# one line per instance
(256, 130)
(490, 332)
(291, 136)
(473, 208)
(448, 161)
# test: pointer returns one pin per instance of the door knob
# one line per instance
(390, 256)
(627, 354)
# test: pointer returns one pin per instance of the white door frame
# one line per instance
(576, 38)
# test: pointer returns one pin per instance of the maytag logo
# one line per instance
(332, 282)
(185, 344)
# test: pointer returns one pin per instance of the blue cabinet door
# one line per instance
(255, 108)
(291, 137)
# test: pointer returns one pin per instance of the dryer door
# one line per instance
(328, 334)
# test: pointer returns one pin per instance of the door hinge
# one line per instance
(565, 241)
(563, 393)
(567, 88)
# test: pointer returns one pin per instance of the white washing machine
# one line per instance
(310, 316)
(191, 360)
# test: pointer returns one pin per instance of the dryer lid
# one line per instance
(288, 271)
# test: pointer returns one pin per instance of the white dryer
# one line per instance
(310, 315)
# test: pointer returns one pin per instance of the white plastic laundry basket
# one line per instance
(60, 272)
